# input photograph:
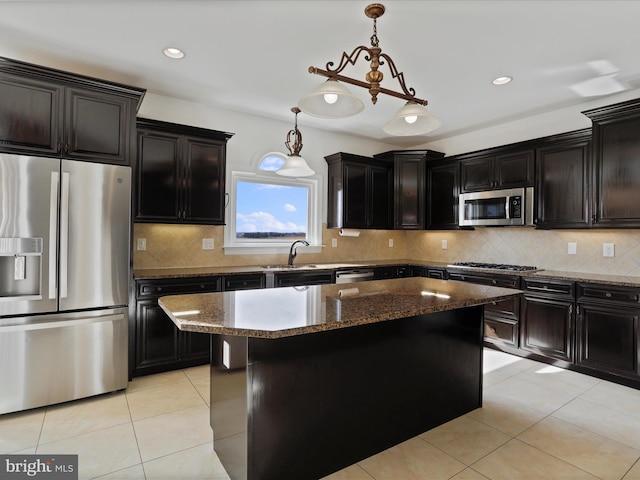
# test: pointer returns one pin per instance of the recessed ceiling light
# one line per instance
(501, 80)
(172, 52)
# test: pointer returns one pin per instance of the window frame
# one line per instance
(235, 246)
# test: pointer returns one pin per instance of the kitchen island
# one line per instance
(308, 380)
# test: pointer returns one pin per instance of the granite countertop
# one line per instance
(289, 311)
(159, 273)
(605, 279)
(184, 272)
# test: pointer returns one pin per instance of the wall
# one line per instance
(526, 246)
(180, 246)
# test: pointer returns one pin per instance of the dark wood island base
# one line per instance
(304, 406)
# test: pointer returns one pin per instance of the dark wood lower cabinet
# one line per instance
(608, 329)
(158, 345)
(546, 327)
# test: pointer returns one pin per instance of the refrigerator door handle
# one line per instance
(62, 323)
(53, 234)
(64, 234)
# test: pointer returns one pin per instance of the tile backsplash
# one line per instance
(181, 246)
(546, 249)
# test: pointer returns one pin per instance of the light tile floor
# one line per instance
(538, 422)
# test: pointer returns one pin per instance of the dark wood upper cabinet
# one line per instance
(409, 192)
(443, 188)
(409, 187)
(359, 192)
(616, 165)
(496, 170)
(181, 173)
(563, 181)
(51, 112)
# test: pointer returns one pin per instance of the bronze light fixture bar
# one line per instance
(374, 55)
(332, 99)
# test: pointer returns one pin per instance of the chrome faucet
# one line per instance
(293, 252)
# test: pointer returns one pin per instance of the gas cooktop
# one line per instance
(494, 266)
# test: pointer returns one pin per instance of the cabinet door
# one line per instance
(477, 174)
(617, 170)
(194, 346)
(442, 196)
(515, 169)
(381, 211)
(409, 173)
(30, 115)
(156, 340)
(608, 338)
(157, 198)
(546, 327)
(355, 195)
(98, 126)
(203, 188)
(563, 186)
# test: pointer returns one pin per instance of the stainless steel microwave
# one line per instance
(511, 207)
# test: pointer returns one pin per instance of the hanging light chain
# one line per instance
(374, 37)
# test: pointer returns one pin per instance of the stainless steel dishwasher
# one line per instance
(353, 275)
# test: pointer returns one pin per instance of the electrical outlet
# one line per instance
(572, 248)
(207, 243)
(391, 242)
(608, 250)
(142, 244)
(334, 242)
(444, 245)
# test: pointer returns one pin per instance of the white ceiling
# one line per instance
(252, 55)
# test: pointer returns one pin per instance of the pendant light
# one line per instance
(412, 119)
(332, 99)
(294, 165)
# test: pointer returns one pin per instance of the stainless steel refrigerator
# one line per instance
(64, 280)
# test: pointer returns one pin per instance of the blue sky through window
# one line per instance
(269, 210)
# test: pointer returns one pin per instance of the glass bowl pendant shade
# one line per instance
(331, 99)
(295, 166)
(412, 119)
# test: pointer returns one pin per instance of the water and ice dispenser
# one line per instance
(20, 268)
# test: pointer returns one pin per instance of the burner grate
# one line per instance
(495, 266)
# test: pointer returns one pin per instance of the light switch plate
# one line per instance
(207, 243)
(444, 245)
(572, 248)
(142, 244)
(608, 250)
(391, 242)
(334, 242)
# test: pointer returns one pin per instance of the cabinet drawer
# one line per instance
(547, 287)
(509, 308)
(244, 282)
(505, 281)
(158, 288)
(501, 332)
(591, 291)
(299, 279)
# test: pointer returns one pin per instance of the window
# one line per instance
(268, 212)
